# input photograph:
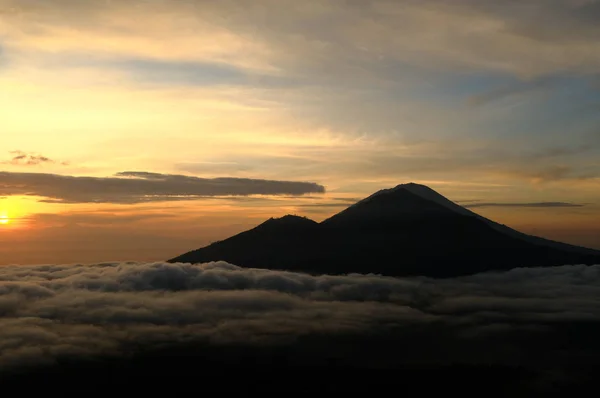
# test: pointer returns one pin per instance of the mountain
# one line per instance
(403, 231)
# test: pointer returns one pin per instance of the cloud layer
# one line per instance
(520, 37)
(140, 187)
(52, 312)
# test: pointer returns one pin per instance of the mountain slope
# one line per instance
(263, 246)
(429, 194)
(407, 230)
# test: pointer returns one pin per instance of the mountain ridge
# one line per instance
(402, 231)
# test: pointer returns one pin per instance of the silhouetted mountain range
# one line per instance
(403, 231)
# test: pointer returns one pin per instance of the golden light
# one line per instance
(16, 211)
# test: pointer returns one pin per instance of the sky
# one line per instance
(141, 129)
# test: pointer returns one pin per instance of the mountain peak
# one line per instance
(409, 185)
(405, 202)
(419, 190)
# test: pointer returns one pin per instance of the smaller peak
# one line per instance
(289, 219)
(292, 217)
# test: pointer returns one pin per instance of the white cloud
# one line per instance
(52, 311)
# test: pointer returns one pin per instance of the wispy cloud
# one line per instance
(561, 172)
(30, 159)
(97, 218)
(533, 204)
(212, 167)
(516, 89)
(140, 187)
(468, 34)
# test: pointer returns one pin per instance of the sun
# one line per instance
(4, 219)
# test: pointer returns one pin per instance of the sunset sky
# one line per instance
(117, 116)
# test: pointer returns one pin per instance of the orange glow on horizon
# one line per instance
(15, 211)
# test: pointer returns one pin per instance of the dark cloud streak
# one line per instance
(30, 159)
(141, 187)
(532, 204)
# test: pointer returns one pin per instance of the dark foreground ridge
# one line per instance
(314, 365)
(404, 231)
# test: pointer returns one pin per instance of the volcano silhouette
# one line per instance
(408, 230)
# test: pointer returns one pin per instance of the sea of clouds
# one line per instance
(56, 311)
